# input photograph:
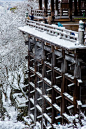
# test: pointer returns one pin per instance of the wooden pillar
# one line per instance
(64, 84)
(52, 9)
(40, 4)
(35, 82)
(45, 7)
(77, 74)
(35, 96)
(53, 82)
(43, 87)
(70, 10)
(75, 7)
(57, 5)
(79, 6)
(28, 74)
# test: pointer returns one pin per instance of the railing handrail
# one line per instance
(51, 29)
(52, 26)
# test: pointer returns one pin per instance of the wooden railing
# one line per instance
(38, 12)
(54, 30)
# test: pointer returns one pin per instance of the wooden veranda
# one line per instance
(61, 10)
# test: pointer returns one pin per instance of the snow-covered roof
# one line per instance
(56, 40)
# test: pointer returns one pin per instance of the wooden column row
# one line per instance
(46, 6)
(55, 55)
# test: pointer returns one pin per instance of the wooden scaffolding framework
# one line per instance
(57, 75)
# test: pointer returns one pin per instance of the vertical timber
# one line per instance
(40, 4)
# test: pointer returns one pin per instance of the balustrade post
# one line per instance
(81, 32)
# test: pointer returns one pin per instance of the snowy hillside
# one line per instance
(12, 61)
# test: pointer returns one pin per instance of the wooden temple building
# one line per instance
(61, 10)
(56, 73)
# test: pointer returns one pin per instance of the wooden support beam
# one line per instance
(40, 4)
(79, 1)
(45, 7)
(70, 10)
(75, 7)
(77, 74)
(63, 84)
(57, 5)
(53, 82)
(52, 9)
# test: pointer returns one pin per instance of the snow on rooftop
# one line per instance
(53, 39)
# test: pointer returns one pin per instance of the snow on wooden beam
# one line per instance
(39, 81)
(47, 117)
(58, 53)
(70, 58)
(47, 48)
(32, 75)
(48, 71)
(39, 74)
(40, 92)
(58, 117)
(25, 85)
(79, 103)
(40, 116)
(79, 81)
(67, 116)
(57, 107)
(59, 97)
(47, 81)
(47, 98)
(48, 108)
(39, 99)
(58, 77)
(48, 63)
(70, 107)
(72, 84)
(32, 108)
(57, 88)
(59, 58)
(68, 96)
(32, 69)
(57, 69)
(32, 84)
(69, 76)
(39, 108)
(32, 125)
(31, 116)
(33, 91)
(49, 89)
(32, 101)
(84, 106)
